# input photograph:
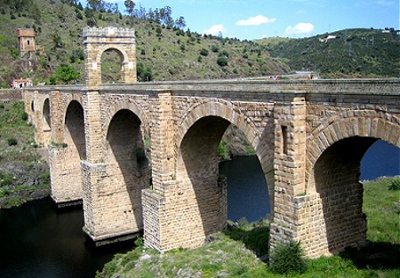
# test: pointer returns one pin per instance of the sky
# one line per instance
(256, 19)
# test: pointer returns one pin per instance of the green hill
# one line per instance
(351, 52)
(164, 52)
(167, 50)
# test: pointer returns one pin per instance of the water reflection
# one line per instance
(247, 189)
(38, 241)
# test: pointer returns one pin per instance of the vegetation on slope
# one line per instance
(23, 175)
(164, 51)
(351, 52)
(234, 252)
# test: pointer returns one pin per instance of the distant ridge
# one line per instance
(344, 53)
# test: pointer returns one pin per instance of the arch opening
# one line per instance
(74, 132)
(46, 115)
(46, 123)
(248, 196)
(111, 66)
(129, 171)
(336, 176)
(199, 179)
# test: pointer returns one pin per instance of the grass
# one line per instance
(22, 172)
(234, 252)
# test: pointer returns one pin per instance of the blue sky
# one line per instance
(254, 19)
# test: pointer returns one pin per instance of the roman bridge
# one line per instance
(143, 156)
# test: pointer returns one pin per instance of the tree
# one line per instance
(66, 73)
(130, 7)
(96, 5)
(180, 22)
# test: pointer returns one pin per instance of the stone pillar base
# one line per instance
(66, 180)
(112, 208)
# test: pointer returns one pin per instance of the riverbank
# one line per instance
(24, 175)
(239, 251)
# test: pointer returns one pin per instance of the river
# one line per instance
(40, 241)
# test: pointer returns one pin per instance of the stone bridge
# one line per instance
(143, 156)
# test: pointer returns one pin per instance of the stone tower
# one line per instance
(26, 41)
(98, 40)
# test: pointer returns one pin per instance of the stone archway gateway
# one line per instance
(99, 40)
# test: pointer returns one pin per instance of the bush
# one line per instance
(394, 185)
(223, 53)
(24, 116)
(12, 141)
(222, 61)
(287, 257)
(214, 48)
(204, 52)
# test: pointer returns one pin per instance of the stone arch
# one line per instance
(98, 40)
(128, 172)
(46, 121)
(226, 110)
(74, 130)
(370, 124)
(46, 114)
(197, 178)
(67, 150)
(123, 104)
(123, 60)
(334, 194)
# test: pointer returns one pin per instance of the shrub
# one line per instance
(222, 61)
(24, 116)
(214, 48)
(287, 257)
(12, 141)
(222, 150)
(204, 52)
(223, 53)
(394, 185)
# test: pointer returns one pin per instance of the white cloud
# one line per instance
(301, 28)
(214, 30)
(255, 21)
(385, 3)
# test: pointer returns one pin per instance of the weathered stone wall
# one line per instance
(7, 95)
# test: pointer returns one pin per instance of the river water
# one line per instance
(40, 241)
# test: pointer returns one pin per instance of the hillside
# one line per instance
(24, 176)
(163, 52)
(345, 53)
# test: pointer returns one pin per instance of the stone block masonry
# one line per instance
(309, 143)
(309, 135)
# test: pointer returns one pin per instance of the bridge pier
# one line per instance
(183, 216)
(66, 179)
(289, 167)
(112, 207)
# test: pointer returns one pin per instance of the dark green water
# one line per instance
(40, 241)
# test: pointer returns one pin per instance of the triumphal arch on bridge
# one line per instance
(143, 156)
